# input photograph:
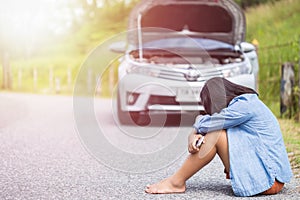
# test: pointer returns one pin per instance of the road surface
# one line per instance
(52, 148)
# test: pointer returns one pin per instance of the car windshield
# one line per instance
(187, 43)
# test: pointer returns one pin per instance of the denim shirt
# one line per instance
(257, 154)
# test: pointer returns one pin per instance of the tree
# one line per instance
(5, 48)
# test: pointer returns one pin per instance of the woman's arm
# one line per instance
(235, 114)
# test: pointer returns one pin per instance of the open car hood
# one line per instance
(221, 20)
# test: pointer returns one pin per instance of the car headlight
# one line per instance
(147, 70)
(238, 69)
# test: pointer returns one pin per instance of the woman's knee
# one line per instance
(211, 141)
(215, 136)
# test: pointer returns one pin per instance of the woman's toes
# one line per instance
(149, 190)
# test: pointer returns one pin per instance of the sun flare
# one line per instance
(31, 20)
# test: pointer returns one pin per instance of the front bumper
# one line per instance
(140, 93)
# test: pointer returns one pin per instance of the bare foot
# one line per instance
(166, 186)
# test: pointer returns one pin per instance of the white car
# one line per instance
(173, 47)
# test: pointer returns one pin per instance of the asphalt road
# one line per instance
(54, 147)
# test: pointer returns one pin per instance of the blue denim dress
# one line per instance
(257, 154)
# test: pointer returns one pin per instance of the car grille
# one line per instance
(186, 75)
(163, 100)
(168, 100)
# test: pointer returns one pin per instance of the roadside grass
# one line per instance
(276, 27)
(271, 21)
(62, 60)
(291, 135)
(44, 74)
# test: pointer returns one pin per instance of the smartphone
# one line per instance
(199, 142)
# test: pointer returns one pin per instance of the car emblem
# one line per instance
(192, 74)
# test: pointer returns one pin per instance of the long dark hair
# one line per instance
(217, 93)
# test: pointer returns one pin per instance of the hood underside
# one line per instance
(221, 20)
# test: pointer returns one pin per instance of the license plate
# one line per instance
(188, 94)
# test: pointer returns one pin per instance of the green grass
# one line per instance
(274, 23)
(291, 135)
(48, 70)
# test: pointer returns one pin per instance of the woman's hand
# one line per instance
(192, 140)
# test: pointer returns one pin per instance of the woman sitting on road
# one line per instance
(246, 136)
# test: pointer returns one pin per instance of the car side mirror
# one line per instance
(247, 47)
(118, 47)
